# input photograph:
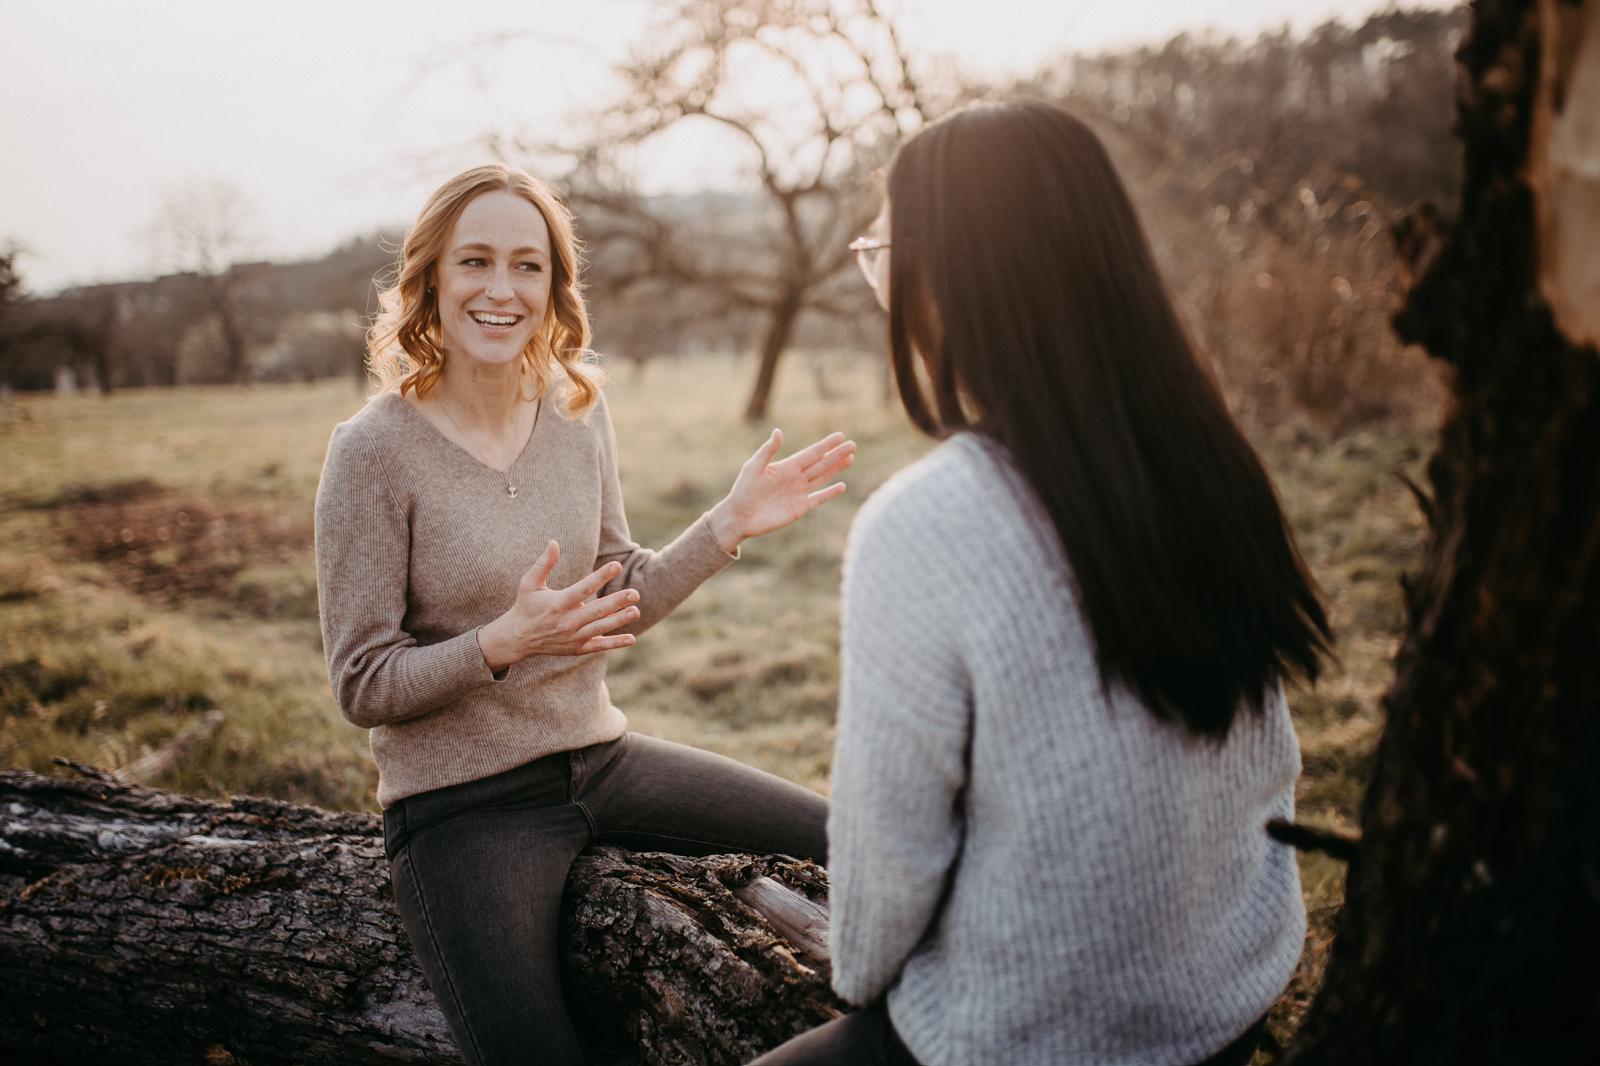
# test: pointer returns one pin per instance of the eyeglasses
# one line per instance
(869, 253)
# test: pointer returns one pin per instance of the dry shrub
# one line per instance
(1271, 172)
(1292, 299)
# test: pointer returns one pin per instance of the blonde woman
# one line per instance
(474, 566)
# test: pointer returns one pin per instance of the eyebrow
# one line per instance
(480, 247)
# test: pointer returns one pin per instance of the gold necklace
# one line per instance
(511, 489)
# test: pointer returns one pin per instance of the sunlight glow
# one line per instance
(335, 120)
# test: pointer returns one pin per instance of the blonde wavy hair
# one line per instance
(404, 348)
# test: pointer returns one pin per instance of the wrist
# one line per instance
(495, 647)
(725, 530)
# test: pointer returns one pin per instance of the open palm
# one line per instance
(768, 495)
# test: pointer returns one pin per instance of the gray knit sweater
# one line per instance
(418, 545)
(1034, 871)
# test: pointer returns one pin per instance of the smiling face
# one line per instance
(493, 279)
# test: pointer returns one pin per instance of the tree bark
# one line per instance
(143, 927)
(780, 326)
(1472, 917)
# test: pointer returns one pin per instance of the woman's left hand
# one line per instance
(769, 495)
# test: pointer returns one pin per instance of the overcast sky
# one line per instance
(337, 118)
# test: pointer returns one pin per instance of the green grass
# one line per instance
(157, 563)
(226, 617)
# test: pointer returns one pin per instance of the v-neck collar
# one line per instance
(527, 445)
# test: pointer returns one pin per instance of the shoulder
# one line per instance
(383, 420)
(598, 418)
(571, 434)
(963, 491)
(936, 525)
(920, 558)
(379, 443)
(962, 517)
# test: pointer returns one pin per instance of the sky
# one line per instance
(334, 120)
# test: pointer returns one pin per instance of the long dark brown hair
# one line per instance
(1020, 275)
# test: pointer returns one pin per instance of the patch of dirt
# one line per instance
(124, 491)
(169, 548)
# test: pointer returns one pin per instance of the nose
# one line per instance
(497, 288)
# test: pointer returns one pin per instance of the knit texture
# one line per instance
(418, 545)
(1034, 869)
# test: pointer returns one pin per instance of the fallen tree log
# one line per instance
(140, 926)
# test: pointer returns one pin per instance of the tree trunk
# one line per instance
(235, 349)
(780, 327)
(142, 927)
(1472, 918)
(103, 352)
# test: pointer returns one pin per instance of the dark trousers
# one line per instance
(867, 1038)
(478, 870)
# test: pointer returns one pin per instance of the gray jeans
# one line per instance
(478, 870)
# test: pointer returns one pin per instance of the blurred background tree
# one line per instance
(54, 344)
(10, 285)
(816, 94)
(203, 230)
(1269, 172)
(11, 298)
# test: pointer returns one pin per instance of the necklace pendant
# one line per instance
(511, 490)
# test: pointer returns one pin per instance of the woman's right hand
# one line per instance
(546, 621)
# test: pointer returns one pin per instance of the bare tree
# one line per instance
(77, 328)
(814, 93)
(10, 284)
(11, 298)
(88, 330)
(203, 229)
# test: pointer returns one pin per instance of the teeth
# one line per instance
(495, 320)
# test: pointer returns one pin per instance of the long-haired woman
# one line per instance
(1062, 728)
(473, 566)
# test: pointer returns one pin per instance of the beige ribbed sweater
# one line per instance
(418, 545)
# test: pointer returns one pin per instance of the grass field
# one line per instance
(156, 563)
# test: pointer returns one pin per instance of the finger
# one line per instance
(822, 496)
(544, 566)
(832, 462)
(769, 447)
(608, 605)
(594, 644)
(611, 621)
(582, 590)
(812, 452)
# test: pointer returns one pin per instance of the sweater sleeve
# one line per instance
(378, 671)
(895, 822)
(663, 578)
